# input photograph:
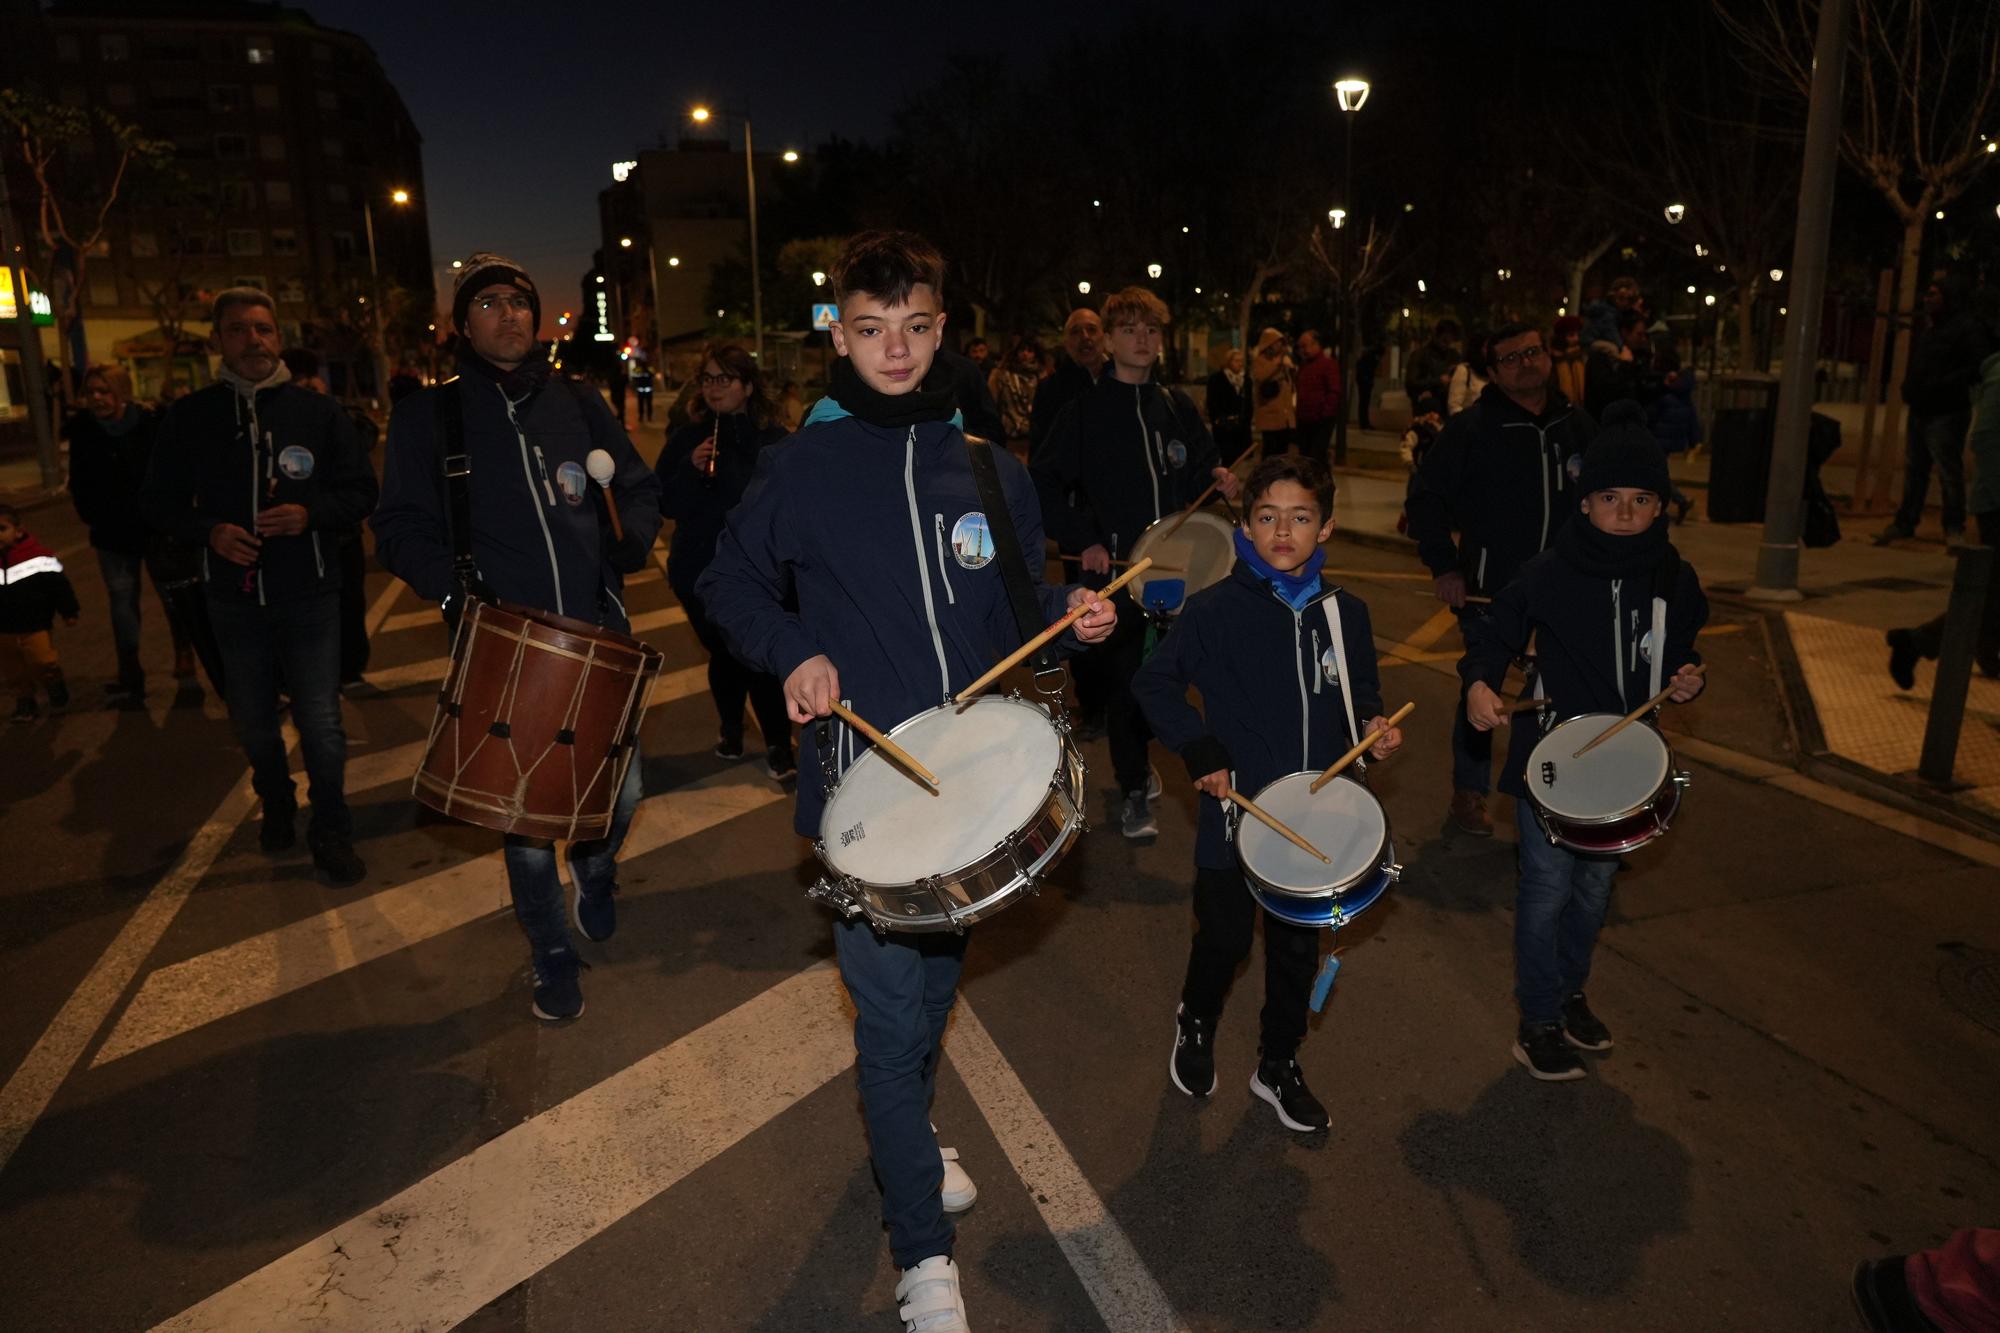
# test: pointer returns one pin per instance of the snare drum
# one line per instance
(1199, 554)
(538, 717)
(1009, 803)
(1618, 797)
(1344, 820)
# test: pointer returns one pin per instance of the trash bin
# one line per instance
(1739, 447)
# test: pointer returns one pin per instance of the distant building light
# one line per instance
(1197, 291)
(624, 242)
(673, 261)
(1083, 287)
(1153, 270)
(458, 263)
(622, 171)
(819, 278)
(1708, 299)
(1421, 289)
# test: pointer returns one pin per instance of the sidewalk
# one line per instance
(1847, 714)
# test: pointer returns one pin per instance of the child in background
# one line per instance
(33, 591)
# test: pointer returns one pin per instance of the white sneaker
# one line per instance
(928, 1298)
(959, 1191)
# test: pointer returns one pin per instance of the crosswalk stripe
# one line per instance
(176, 999)
(453, 1242)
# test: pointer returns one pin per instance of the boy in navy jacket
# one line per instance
(1279, 699)
(857, 570)
(1615, 570)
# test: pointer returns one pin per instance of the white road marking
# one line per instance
(197, 991)
(453, 1242)
(1123, 1289)
(378, 611)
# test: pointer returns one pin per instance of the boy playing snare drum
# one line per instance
(1265, 647)
(1616, 571)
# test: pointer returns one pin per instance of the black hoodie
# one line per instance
(1133, 453)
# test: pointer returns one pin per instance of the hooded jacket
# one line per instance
(1594, 642)
(1069, 382)
(1270, 689)
(539, 534)
(107, 468)
(1499, 476)
(33, 588)
(698, 502)
(1131, 454)
(879, 535)
(221, 455)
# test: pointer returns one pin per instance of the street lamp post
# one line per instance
(701, 116)
(1352, 93)
(399, 198)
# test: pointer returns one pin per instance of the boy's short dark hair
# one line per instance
(1310, 475)
(11, 514)
(1135, 305)
(887, 265)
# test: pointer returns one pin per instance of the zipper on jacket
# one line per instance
(1617, 640)
(1146, 448)
(1319, 672)
(319, 561)
(1305, 703)
(542, 466)
(1482, 568)
(923, 570)
(541, 515)
(944, 575)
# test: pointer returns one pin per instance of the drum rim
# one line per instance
(1666, 779)
(578, 629)
(1197, 519)
(1388, 850)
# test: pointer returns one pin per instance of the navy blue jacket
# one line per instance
(539, 534)
(1268, 685)
(1131, 453)
(877, 531)
(698, 502)
(1569, 612)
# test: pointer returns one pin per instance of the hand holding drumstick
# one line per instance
(812, 691)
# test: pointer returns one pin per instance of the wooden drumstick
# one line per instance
(1202, 499)
(1276, 825)
(1076, 613)
(601, 469)
(1360, 746)
(1527, 705)
(885, 745)
(1633, 716)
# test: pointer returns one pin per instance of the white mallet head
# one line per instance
(600, 467)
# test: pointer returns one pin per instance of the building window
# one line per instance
(264, 96)
(239, 196)
(175, 95)
(278, 194)
(271, 147)
(284, 241)
(104, 289)
(262, 51)
(328, 101)
(246, 241)
(248, 280)
(164, 47)
(292, 291)
(343, 245)
(225, 97)
(232, 148)
(336, 192)
(113, 46)
(66, 47)
(333, 148)
(121, 94)
(145, 245)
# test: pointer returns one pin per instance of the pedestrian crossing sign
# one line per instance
(824, 314)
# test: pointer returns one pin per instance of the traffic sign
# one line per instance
(824, 314)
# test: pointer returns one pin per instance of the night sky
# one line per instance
(523, 107)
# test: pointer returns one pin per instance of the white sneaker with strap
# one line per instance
(928, 1299)
(959, 1191)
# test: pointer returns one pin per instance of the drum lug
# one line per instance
(1394, 871)
(1682, 780)
(838, 894)
(934, 886)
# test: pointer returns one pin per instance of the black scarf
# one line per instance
(1605, 556)
(932, 400)
(520, 383)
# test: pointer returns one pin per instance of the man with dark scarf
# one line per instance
(1615, 569)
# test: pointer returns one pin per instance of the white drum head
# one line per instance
(994, 763)
(1200, 553)
(1342, 819)
(1614, 779)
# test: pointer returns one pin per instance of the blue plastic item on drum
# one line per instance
(1344, 820)
(1163, 597)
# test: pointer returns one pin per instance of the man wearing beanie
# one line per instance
(1494, 489)
(1617, 571)
(539, 537)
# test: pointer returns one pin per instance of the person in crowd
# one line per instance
(304, 368)
(1242, 645)
(1493, 491)
(1013, 386)
(1468, 377)
(791, 410)
(1319, 396)
(1626, 372)
(1428, 379)
(539, 538)
(1616, 556)
(1227, 401)
(643, 382)
(268, 474)
(1082, 365)
(871, 609)
(403, 383)
(615, 381)
(1944, 365)
(980, 353)
(1568, 362)
(110, 444)
(1365, 368)
(704, 470)
(1671, 415)
(34, 590)
(1274, 394)
(1131, 451)
(975, 401)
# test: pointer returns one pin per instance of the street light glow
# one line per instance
(1197, 291)
(1939, 215)
(399, 196)
(819, 278)
(1097, 203)
(1337, 216)
(1505, 274)
(1184, 231)
(791, 155)
(1351, 92)
(458, 263)
(1675, 212)
(1421, 289)
(1084, 288)
(700, 117)
(1153, 270)
(624, 242)
(1700, 250)
(673, 261)
(1690, 289)
(1709, 299)
(600, 279)
(621, 171)
(1777, 275)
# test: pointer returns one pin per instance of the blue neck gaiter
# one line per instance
(1296, 588)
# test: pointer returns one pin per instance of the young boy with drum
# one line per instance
(1616, 571)
(1285, 663)
(861, 570)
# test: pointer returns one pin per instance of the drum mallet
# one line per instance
(1276, 825)
(1361, 745)
(1076, 613)
(885, 745)
(1633, 716)
(598, 463)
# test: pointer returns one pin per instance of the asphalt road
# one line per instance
(239, 1099)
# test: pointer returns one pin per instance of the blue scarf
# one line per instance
(1296, 588)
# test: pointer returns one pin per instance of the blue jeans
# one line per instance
(297, 641)
(902, 986)
(532, 878)
(1941, 440)
(121, 584)
(1558, 910)
(1471, 748)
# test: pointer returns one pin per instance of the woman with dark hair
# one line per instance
(703, 471)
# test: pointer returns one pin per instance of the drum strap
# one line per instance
(455, 466)
(1014, 575)
(1330, 605)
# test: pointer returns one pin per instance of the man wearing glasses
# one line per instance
(1492, 492)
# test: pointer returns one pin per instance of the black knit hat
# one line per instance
(1624, 454)
(483, 270)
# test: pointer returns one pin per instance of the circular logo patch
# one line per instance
(295, 461)
(574, 482)
(971, 541)
(1646, 647)
(1329, 666)
(1176, 453)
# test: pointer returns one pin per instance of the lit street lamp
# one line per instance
(1153, 270)
(400, 198)
(1675, 212)
(701, 115)
(1352, 93)
(1084, 288)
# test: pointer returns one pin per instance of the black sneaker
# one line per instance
(779, 763)
(728, 749)
(1903, 658)
(276, 833)
(1135, 818)
(1546, 1054)
(1581, 1028)
(1192, 1067)
(595, 914)
(1280, 1083)
(558, 997)
(333, 854)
